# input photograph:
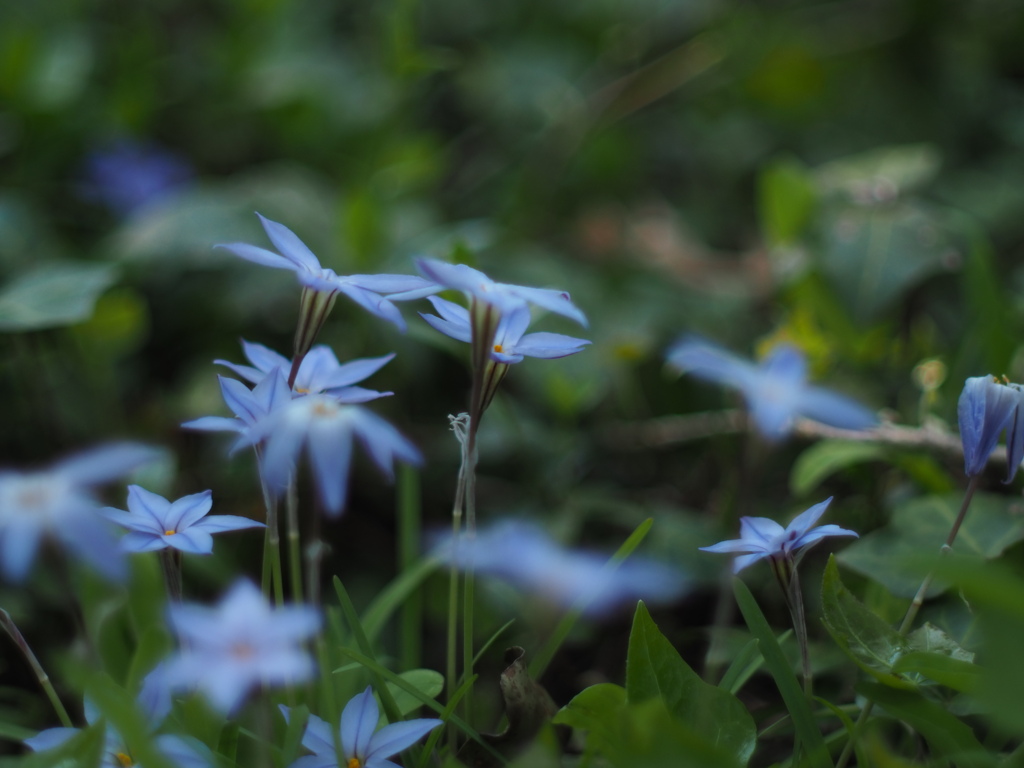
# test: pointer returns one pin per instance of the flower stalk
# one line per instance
(44, 679)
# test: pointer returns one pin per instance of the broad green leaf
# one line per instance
(868, 640)
(892, 555)
(931, 639)
(873, 254)
(786, 200)
(880, 173)
(655, 669)
(827, 457)
(426, 681)
(53, 294)
(959, 675)
(778, 665)
(946, 735)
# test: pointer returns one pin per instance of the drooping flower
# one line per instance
(319, 372)
(60, 503)
(228, 650)
(523, 555)
(374, 293)
(179, 751)
(988, 407)
(328, 428)
(362, 745)
(155, 523)
(249, 406)
(762, 537)
(510, 344)
(776, 390)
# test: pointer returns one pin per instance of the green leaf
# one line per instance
(880, 173)
(83, 750)
(779, 667)
(947, 736)
(828, 457)
(958, 675)
(931, 639)
(426, 681)
(874, 254)
(892, 555)
(868, 640)
(53, 294)
(786, 200)
(655, 669)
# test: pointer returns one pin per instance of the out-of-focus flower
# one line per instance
(986, 408)
(761, 537)
(776, 390)
(505, 297)
(374, 293)
(180, 752)
(59, 502)
(155, 523)
(524, 555)
(319, 372)
(242, 643)
(128, 175)
(249, 407)
(510, 344)
(328, 428)
(362, 745)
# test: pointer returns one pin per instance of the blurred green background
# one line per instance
(846, 175)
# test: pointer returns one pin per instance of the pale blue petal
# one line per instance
(373, 303)
(707, 361)
(733, 545)
(258, 255)
(214, 424)
(786, 365)
(317, 736)
(821, 532)
(1015, 436)
(221, 523)
(985, 408)
(154, 697)
(139, 541)
(450, 311)
(192, 540)
(456, 331)
(392, 739)
(264, 358)
(835, 410)
(549, 346)
(808, 518)
(239, 399)
(187, 510)
(512, 326)
(247, 372)
(400, 287)
(458, 277)
(316, 761)
(18, 546)
(330, 451)
(742, 561)
(133, 522)
(148, 504)
(352, 372)
(50, 738)
(760, 530)
(289, 244)
(184, 753)
(105, 462)
(551, 300)
(383, 442)
(92, 542)
(352, 395)
(358, 721)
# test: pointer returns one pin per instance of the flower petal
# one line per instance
(290, 246)
(358, 721)
(392, 739)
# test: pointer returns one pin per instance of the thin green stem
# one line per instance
(170, 559)
(294, 543)
(273, 580)
(44, 679)
(409, 528)
(912, 611)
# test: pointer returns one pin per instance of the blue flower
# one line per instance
(761, 537)
(180, 752)
(776, 391)
(155, 523)
(362, 744)
(986, 408)
(328, 428)
(504, 297)
(249, 406)
(522, 554)
(242, 643)
(510, 344)
(129, 175)
(374, 293)
(59, 502)
(319, 371)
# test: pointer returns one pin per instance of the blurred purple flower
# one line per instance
(155, 523)
(249, 407)
(328, 428)
(362, 745)
(242, 643)
(510, 344)
(776, 390)
(128, 175)
(986, 408)
(374, 293)
(59, 502)
(761, 537)
(504, 297)
(180, 752)
(319, 371)
(522, 554)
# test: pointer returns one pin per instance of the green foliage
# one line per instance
(892, 555)
(824, 459)
(54, 294)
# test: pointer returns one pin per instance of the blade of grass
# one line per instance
(394, 594)
(550, 648)
(789, 687)
(438, 733)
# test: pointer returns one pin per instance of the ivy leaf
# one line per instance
(53, 294)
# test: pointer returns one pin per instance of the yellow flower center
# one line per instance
(497, 348)
(302, 390)
(169, 533)
(354, 762)
(124, 759)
